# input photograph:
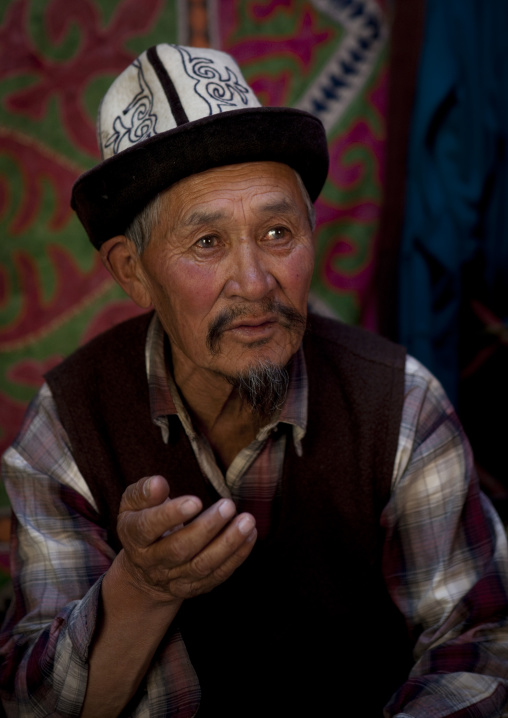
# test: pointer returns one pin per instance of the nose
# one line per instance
(250, 277)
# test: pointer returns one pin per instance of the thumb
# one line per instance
(145, 493)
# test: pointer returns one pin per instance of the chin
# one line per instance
(257, 359)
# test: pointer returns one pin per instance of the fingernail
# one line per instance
(227, 509)
(146, 488)
(189, 507)
(246, 525)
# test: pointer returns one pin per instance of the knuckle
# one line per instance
(178, 548)
(142, 527)
(130, 528)
(200, 566)
(133, 495)
(190, 589)
(134, 528)
(222, 573)
(122, 527)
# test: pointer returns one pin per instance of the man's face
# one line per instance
(233, 245)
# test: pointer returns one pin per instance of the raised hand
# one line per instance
(172, 560)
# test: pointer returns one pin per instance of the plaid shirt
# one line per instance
(445, 559)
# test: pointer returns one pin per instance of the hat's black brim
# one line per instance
(109, 196)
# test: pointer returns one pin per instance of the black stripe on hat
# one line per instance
(167, 85)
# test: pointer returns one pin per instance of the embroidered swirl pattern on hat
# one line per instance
(168, 86)
(137, 121)
(219, 91)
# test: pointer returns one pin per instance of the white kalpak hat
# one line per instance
(174, 112)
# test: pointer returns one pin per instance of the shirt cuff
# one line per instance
(82, 622)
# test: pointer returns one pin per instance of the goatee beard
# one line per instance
(263, 387)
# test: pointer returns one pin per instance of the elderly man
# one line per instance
(225, 508)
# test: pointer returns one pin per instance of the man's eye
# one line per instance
(208, 242)
(278, 233)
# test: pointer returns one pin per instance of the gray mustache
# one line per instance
(288, 317)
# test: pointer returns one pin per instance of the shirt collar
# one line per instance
(165, 399)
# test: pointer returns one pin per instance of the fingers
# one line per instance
(214, 562)
(174, 551)
(184, 544)
(226, 551)
(146, 513)
(212, 566)
(206, 530)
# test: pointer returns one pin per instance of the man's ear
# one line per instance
(121, 259)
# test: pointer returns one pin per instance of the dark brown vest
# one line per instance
(305, 626)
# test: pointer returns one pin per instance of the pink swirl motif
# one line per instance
(218, 86)
(136, 121)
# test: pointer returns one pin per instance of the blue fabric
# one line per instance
(455, 237)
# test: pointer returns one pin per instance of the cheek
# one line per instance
(299, 274)
(195, 289)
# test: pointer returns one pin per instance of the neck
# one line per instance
(218, 411)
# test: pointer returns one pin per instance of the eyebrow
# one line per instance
(198, 217)
(280, 207)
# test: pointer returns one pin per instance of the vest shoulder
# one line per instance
(116, 345)
(336, 337)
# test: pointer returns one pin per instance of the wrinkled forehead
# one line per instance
(261, 186)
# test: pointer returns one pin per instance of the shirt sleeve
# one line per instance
(445, 564)
(59, 553)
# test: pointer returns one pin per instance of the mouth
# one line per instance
(253, 322)
(245, 326)
(254, 328)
